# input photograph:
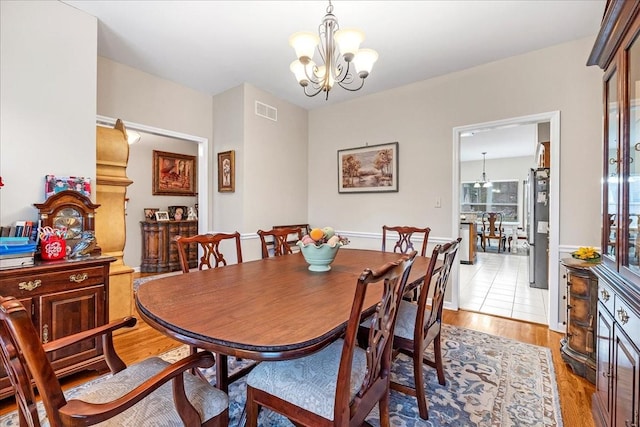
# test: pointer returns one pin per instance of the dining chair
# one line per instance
(403, 243)
(279, 241)
(149, 393)
(492, 230)
(213, 258)
(417, 326)
(340, 384)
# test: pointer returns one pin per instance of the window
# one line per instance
(501, 197)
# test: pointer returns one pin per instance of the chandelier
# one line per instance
(339, 53)
(484, 182)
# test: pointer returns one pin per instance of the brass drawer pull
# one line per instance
(605, 295)
(623, 316)
(45, 333)
(30, 285)
(78, 278)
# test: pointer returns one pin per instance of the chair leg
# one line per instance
(252, 409)
(418, 375)
(383, 406)
(437, 351)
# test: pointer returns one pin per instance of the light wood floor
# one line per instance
(575, 391)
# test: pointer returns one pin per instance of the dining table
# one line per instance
(268, 309)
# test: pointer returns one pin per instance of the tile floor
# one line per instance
(499, 284)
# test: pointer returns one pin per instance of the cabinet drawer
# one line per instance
(606, 296)
(30, 284)
(628, 320)
(578, 284)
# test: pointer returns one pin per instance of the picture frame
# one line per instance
(227, 171)
(368, 169)
(174, 174)
(162, 216)
(177, 213)
(55, 184)
(150, 214)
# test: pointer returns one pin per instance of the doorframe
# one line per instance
(553, 117)
(203, 163)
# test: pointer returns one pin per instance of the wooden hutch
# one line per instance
(617, 52)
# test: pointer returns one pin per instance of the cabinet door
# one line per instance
(626, 381)
(604, 348)
(69, 312)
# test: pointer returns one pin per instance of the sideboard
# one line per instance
(159, 251)
(64, 297)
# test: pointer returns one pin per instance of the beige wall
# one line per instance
(47, 102)
(421, 117)
(271, 164)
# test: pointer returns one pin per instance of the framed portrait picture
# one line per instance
(369, 169)
(227, 171)
(177, 213)
(150, 214)
(162, 216)
(174, 174)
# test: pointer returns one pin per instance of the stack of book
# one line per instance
(16, 252)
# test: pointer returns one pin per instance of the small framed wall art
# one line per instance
(369, 169)
(227, 172)
(174, 174)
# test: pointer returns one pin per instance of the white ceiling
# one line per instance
(503, 142)
(212, 46)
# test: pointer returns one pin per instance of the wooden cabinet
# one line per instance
(64, 297)
(159, 251)
(617, 52)
(577, 347)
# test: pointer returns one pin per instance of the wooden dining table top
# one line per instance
(269, 309)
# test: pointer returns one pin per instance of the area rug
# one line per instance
(490, 381)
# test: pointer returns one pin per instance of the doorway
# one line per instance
(509, 263)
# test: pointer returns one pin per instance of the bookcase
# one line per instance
(159, 251)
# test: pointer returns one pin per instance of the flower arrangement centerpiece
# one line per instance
(587, 254)
(320, 247)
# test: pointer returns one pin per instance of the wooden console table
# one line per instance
(64, 297)
(159, 251)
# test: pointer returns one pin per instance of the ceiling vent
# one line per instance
(266, 111)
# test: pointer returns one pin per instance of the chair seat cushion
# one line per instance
(309, 382)
(158, 408)
(406, 320)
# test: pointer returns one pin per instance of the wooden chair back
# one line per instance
(489, 226)
(379, 342)
(212, 256)
(437, 279)
(403, 243)
(278, 239)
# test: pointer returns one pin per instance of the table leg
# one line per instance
(222, 372)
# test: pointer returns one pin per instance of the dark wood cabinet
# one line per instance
(64, 297)
(617, 52)
(577, 347)
(159, 251)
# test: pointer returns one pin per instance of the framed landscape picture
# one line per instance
(369, 169)
(227, 172)
(174, 174)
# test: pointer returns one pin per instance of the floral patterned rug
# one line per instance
(491, 381)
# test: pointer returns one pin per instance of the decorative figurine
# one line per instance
(85, 246)
(191, 213)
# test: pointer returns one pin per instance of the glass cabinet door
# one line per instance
(633, 124)
(612, 174)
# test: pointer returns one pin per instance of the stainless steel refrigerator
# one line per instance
(538, 219)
